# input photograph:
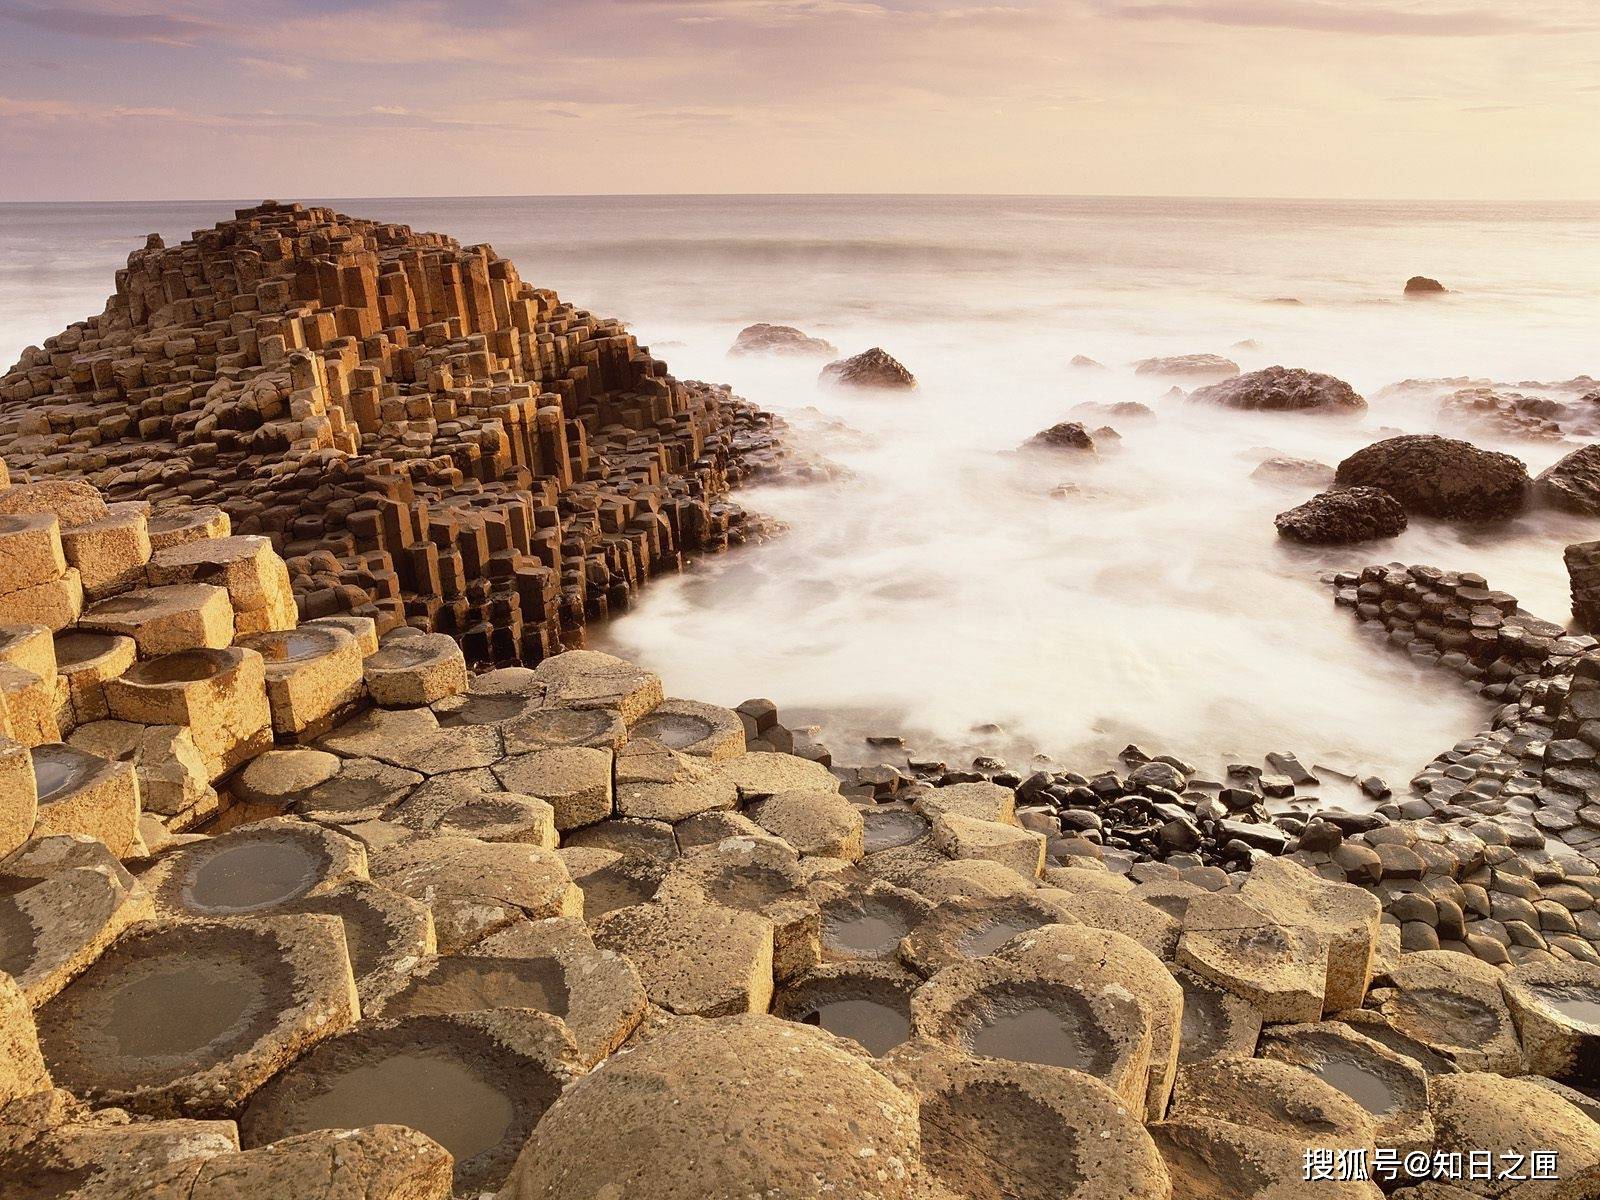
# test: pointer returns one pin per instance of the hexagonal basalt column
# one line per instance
(165, 620)
(220, 694)
(255, 868)
(474, 1082)
(87, 659)
(313, 675)
(1557, 1010)
(689, 727)
(191, 1018)
(19, 800)
(83, 793)
(409, 672)
(255, 577)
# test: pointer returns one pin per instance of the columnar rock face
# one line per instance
(425, 438)
(1583, 568)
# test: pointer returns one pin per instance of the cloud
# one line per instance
(1379, 20)
(167, 29)
(269, 66)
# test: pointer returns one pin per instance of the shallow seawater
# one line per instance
(935, 584)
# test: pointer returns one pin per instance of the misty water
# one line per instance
(935, 584)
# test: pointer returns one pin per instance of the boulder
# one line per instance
(1440, 477)
(1284, 389)
(1065, 435)
(1358, 514)
(874, 368)
(762, 338)
(745, 1106)
(1421, 285)
(1573, 484)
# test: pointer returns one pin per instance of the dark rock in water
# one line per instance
(1212, 365)
(1440, 477)
(1573, 484)
(1334, 518)
(1083, 360)
(1284, 389)
(1583, 569)
(874, 368)
(1421, 285)
(1067, 435)
(1283, 469)
(762, 338)
(1283, 300)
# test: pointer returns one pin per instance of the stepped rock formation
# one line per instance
(426, 439)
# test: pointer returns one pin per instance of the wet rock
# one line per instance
(1583, 569)
(1284, 389)
(1450, 1005)
(1440, 477)
(762, 338)
(867, 1002)
(1276, 1098)
(1342, 516)
(1573, 483)
(1391, 1087)
(1556, 1007)
(1066, 435)
(848, 1130)
(1422, 285)
(874, 368)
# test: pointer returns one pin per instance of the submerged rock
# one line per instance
(1204, 365)
(874, 368)
(1573, 484)
(1282, 468)
(1284, 389)
(762, 338)
(1333, 518)
(1440, 477)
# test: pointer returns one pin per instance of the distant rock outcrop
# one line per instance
(1421, 285)
(762, 338)
(1440, 477)
(1358, 514)
(1573, 484)
(1284, 389)
(1282, 468)
(1083, 360)
(1212, 366)
(874, 368)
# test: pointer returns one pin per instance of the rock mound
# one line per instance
(1421, 285)
(1334, 518)
(762, 338)
(874, 368)
(1573, 484)
(1284, 389)
(1212, 366)
(1282, 468)
(1440, 477)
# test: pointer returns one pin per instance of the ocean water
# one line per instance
(934, 584)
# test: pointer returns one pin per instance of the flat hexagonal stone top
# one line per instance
(476, 1083)
(744, 1106)
(190, 1018)
(253, 869)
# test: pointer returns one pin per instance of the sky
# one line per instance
(1390, 99)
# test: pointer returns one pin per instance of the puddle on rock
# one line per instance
(1365, 1087)
(57, 769)
(862, 931)
(449, 1102)
(174, 1007)
(1576, 1003)
(1033, 1034)
(673, 730)
(878, 1026)
(888, 827)
(989, 938)
(252, 874)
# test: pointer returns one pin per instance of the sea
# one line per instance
(928, 583)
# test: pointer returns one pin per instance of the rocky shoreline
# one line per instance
(297, 899)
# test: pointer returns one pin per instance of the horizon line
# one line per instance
(1305, 199)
